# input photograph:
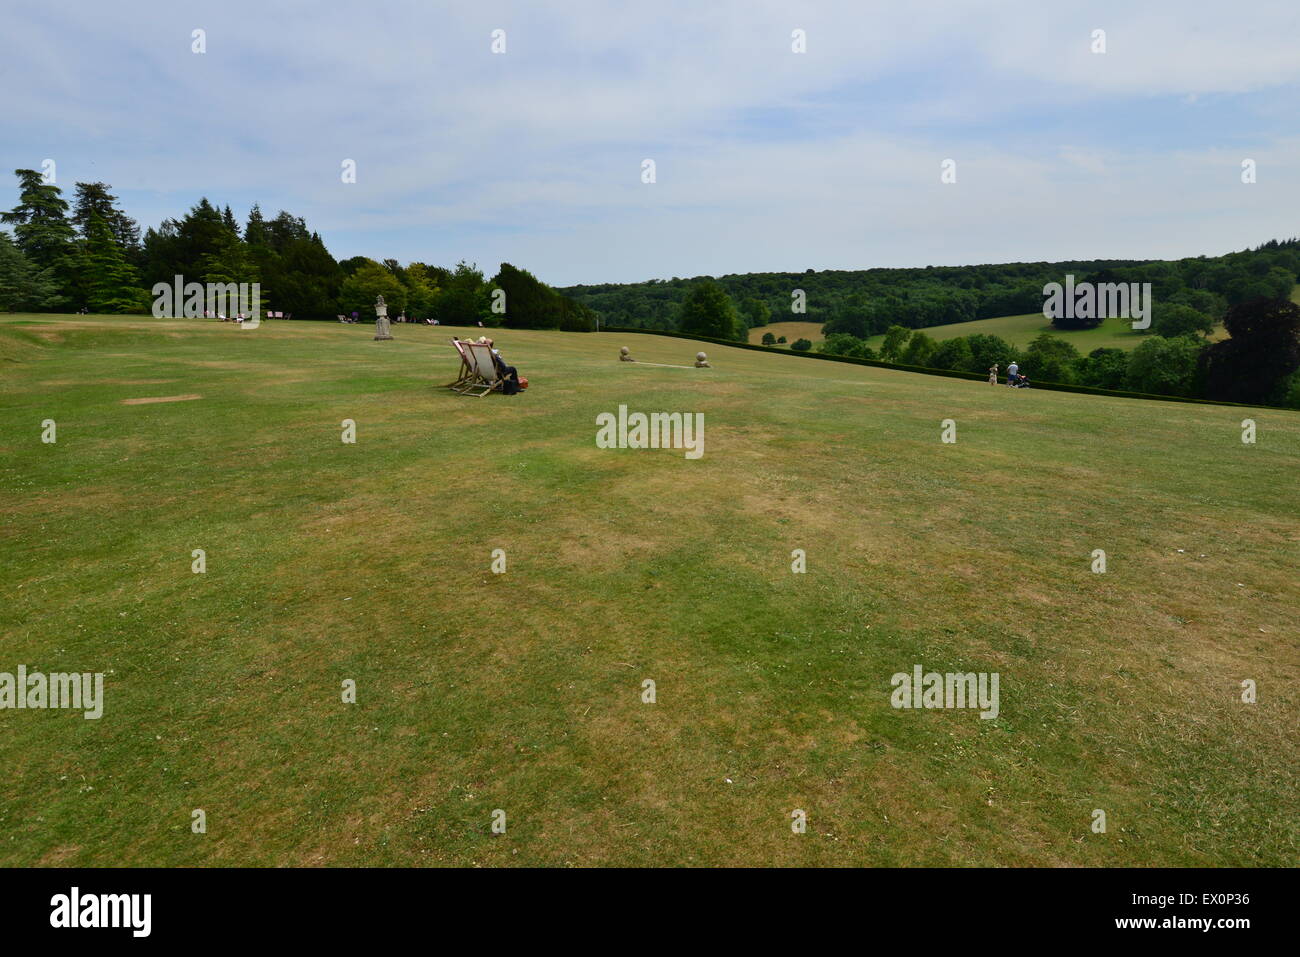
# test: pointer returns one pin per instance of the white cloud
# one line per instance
(767, 159)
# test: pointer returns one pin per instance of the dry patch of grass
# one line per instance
(188, 397)
(523, 691)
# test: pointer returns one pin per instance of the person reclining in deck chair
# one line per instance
(509, 374)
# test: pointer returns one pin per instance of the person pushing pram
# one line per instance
(1014, 379)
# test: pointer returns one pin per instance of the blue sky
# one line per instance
(765, 159)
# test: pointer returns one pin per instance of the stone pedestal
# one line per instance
(381, 320)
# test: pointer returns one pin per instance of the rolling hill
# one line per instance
(524, 692)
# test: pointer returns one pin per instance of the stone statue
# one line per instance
(381, 319)
(623, 355)
(702, 361)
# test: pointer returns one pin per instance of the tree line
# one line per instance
(1247, 292)
(1258, 364)
(89, 254)
(865, 303)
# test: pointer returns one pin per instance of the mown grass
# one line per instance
(1020, 331)
(793, 332)
(371, 562)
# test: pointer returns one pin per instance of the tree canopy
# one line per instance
(707, 311)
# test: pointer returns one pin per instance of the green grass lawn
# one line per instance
(522, 691)
(1017, 330)
(1022, 330)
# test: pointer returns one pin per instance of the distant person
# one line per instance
(993, 375)
(1013, 372)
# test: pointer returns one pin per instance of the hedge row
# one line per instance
(925, 370)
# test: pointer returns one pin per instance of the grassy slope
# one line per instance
(812, 331)
(1022, 330)
(1017, 330)
(522, 691)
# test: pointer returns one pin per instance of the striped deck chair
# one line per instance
(485, 377)
(466, 373)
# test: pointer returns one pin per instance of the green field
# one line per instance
(1022, 330)
(370, 562)
(793, 331)
(1017, 330)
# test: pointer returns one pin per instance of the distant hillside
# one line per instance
(866, 302)
(1020, 331)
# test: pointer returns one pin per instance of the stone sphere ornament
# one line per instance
(623, 355)
(702, 361)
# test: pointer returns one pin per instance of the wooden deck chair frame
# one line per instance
(467, 373)
(483, 371)
(484, 377)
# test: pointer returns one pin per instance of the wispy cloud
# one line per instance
(766, 159)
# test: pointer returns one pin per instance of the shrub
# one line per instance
(1175, 319)
(952, 354)
(1161, 366)
(707, 311)
(1051, 359)
(1256, 364)
(1104, 369)
(920, 350)
(988, 350)
(842, 344)
(895, 342)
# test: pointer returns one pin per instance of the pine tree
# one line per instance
(233, 262)
(22, 285)
(96, 198)
(201, 233)
(108, 281)
(41, 227)
(255, 231)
